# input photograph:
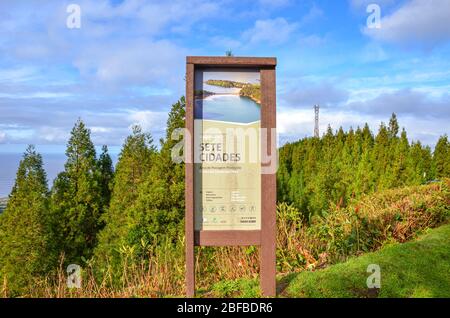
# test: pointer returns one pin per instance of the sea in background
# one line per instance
(232, 108)
(53, 164)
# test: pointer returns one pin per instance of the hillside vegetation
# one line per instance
(420, 268)
(342, 166)
(341, 195)
(380, 220)
(395, 215)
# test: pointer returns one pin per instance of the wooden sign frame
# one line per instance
(266, 237)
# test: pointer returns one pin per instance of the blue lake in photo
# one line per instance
(233, 108)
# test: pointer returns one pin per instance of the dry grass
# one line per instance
(363, 226)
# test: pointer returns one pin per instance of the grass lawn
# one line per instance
(420, 268)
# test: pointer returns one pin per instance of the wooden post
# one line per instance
(268, 188)
(189, 189)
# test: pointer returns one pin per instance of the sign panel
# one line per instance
(230, 152)
(227, 166)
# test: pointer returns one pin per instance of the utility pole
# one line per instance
(316, 121)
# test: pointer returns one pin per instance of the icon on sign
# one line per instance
(252, 208)
(212, 209)
(222, 209)
(242, 208)
(233, 208)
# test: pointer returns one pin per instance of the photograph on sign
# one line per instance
(227, 166)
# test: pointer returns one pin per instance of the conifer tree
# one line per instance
(393, 126)
(76, 198)
(315, 173)
(106, 169)
(24, 249)
(441, 158)
(159, 208)
(135, 161)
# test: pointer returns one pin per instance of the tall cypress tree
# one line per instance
(159, 208)
(76, 198)
(441, 158)
(393, 126)
(105, 166)
(135, 160)
(24, 249)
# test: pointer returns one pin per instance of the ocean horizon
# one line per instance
(53, 164)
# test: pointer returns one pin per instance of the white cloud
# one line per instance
(52, 134)
(274, 3)
(274, 31)
(2, 136)
(293, 124)
(417, 22)
(132, 62)
(314, 13)
(405, 101)
(45, 95)
(98, 129)
(17, 75)
(150, 17)
(308, 94)
(148, 120)
(226, 42)
(297, 123)
(373, 52)
(358, 4)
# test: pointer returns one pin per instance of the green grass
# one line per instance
(420, 268)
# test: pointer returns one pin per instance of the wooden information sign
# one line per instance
(230, 156)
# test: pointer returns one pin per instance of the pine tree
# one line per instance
(24, 248)
(159, 208)
(147, 203)
(398, 173)
(135, 161)
(315, 173)
(381, 158)
(441, 158)
(76, 198)
(393, 126)
(106, 169)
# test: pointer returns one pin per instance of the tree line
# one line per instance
(91, 211)
(340, 166)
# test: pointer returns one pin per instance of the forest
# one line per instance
(125, 224)
(226, 83)
(341, 166)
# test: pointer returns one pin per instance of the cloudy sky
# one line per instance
(126, 64)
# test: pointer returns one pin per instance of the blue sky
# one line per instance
(126, 64)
